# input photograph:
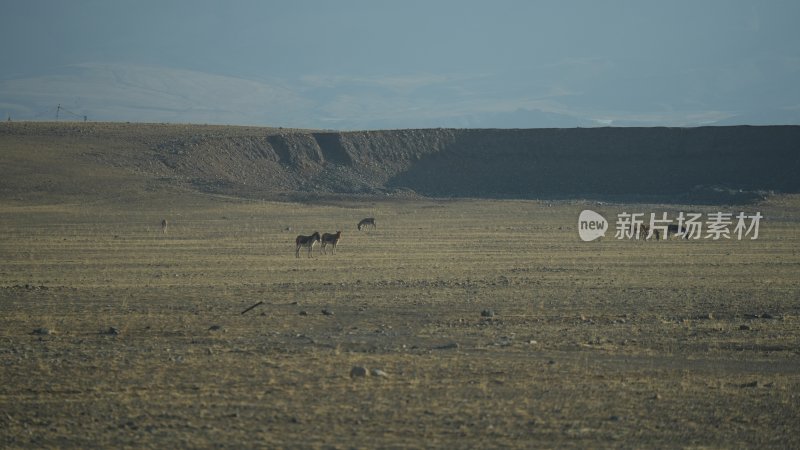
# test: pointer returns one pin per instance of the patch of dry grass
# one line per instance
(610, 343)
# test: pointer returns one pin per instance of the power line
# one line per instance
(80, 116)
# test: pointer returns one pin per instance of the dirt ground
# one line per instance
(481, 324)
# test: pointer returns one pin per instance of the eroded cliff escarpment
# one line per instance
(660, 164)
(708, 164)
(716, 164)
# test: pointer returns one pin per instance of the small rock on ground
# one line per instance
(378, 373)
(358, 371)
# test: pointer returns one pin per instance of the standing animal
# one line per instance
(164, 226)
(332, 239)
(306, 241)
(369, 221)
(644, 232)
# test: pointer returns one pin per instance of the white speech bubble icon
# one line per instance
(591, 225)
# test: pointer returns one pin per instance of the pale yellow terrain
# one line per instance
(602, 344)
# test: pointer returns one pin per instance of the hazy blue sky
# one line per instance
(380, 64)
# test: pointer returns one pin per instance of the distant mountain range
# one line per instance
(134, 93)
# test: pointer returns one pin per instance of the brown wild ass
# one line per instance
(164, 226)
(306, 241)
(332, 239)
(365, 222)
(644, 232)
(677, 231)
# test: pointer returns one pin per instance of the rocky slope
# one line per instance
(717, 164)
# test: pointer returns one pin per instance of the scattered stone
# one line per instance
(752, 384)
(505, 341)
(358, 371)
(767, 316)
(744, 327)
(710, 316)
(378, 373)
(303, 313)
(327, 312)
(214, 328)
(487, 313)
(656, 396)
(42, 331)
(551, 362)
(30, 287)
(449, 346)
(615, 418)
(112, 331)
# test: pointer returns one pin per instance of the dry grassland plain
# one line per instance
(492, 323)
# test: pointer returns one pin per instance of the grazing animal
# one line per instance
(332, 239)
(306, 241)
(676, 230)
(369, 221)
(164, 226)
